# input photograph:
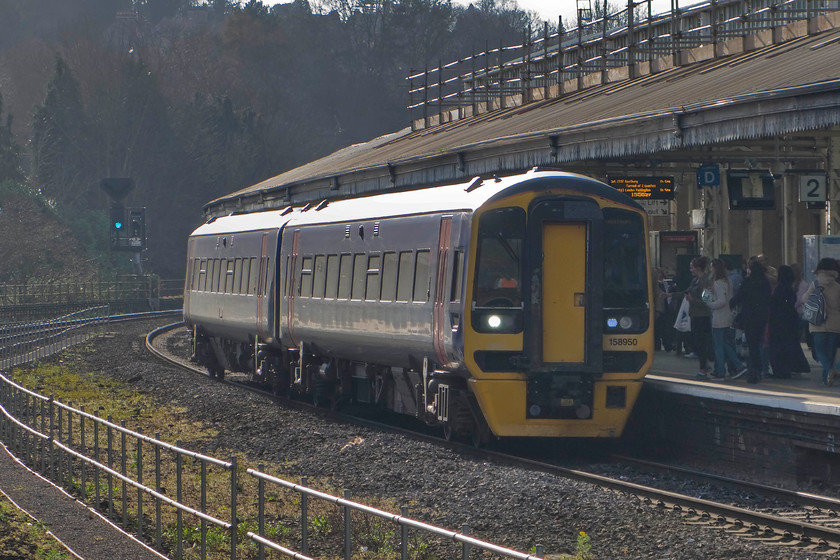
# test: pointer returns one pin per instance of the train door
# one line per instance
(439, 323)
(563, 327)
(564, 289)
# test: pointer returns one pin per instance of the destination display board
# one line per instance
(645, 188)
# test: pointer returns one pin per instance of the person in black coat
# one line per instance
(754, 299)
(785, 351)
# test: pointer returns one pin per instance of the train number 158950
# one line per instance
(623, 341)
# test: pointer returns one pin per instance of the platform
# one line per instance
(803, 393)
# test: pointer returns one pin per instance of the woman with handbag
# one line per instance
(723, 335)
(825, 337)
(784, 348)
(701, 315)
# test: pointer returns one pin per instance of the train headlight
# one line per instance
(625, 322)
(494, 321)
(612, 322)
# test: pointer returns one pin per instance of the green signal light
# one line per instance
(117, 225)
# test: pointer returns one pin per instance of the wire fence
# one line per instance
(185, 503)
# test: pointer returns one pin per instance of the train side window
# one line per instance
(246, 273)
(345, 276)
(264, 283)
(457, 273)
(229, 276)
(208, 284)
(196, 274)
(252, 281)
(217, 274)
(202, 276)
(421, 276)
(359, 276)
(306, 277)
(405, 276)
(332, 277)
(237, 275)
(373, 278)
(319, 276)
(389, 277)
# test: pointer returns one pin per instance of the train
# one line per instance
(502, 307)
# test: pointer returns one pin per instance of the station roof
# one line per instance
(771, 91)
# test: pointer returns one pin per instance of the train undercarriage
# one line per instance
(436, 397)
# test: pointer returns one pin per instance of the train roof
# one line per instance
(461, 197)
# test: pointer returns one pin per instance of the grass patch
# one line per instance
(20, 537)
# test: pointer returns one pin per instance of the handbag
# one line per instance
(683, 322)
(813, 309)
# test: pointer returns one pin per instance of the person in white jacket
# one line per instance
(723, 335)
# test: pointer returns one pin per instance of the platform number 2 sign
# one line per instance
(812, 187)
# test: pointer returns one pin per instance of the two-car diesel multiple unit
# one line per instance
(506, 307)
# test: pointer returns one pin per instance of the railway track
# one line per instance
(799, 519)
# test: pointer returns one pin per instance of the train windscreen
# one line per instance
(625, 268)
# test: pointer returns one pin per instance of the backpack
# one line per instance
(813, 310)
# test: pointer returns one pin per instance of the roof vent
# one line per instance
(307, 207)
(322, 205)
(474, 184)
(347, 231)
(376, 229)
(286, 210)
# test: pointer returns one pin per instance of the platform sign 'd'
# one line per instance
(708, 176)
(645, 188)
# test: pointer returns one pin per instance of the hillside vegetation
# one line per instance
(194, 100)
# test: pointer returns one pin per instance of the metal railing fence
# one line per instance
(34, 301)
(27, 342)
(98, 460)
(130, 476)
(402, 521)
(544, 62)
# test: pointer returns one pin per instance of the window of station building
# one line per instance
(359, 275)
(345, 276)
(405, 276)
(253, 276)
(389, 277)
(332, 277)
(306, 277)
(319, 276)
(373, 278)
(422, 279)
(457, 273)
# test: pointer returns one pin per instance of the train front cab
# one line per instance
(559, 332)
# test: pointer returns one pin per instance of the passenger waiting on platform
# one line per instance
(801, 286)
(723, 334)
(664, 312)
(701, 315)
(754, 300)
(784, 346)
(826, 336)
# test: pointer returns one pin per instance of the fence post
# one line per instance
(465, 547)
(139, 488)
(403, 535)
(96, 456)
(203, 509)
(110, 466)
(260, 512)
(84, 452)
(348, 529)
(179, 521)
(123, 472)
(234, 524)
(158, 490)
(304, 519)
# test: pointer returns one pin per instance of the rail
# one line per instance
(104, 462)
(549, 65)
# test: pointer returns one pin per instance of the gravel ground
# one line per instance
(509, 506)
